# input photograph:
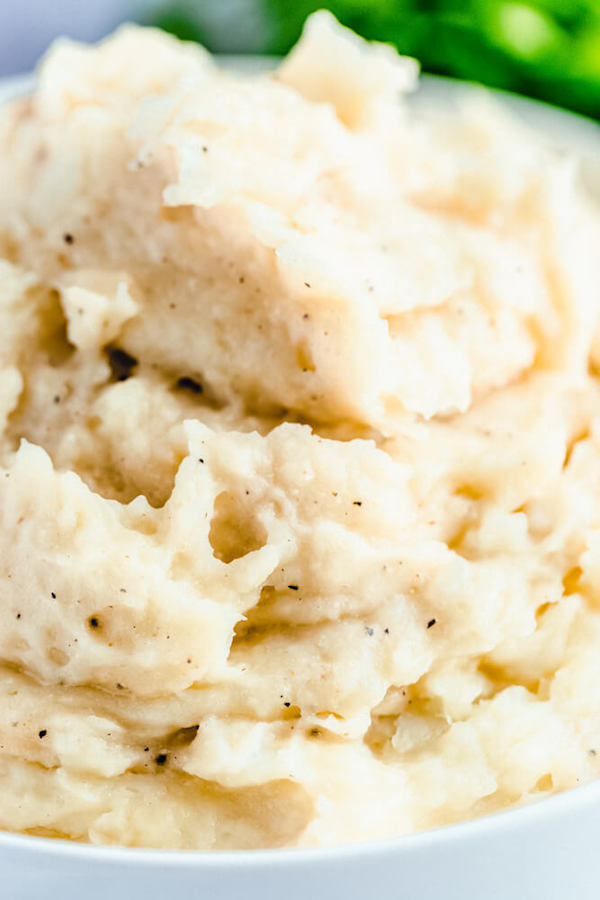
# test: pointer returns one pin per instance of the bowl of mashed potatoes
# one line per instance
(300, 430)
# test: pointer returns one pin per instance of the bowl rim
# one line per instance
(525, 816)
(488, 827)
(586, 127)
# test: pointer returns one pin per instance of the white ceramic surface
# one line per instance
(545, 851)
(28, 26)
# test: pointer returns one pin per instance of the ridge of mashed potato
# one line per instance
(300, 452)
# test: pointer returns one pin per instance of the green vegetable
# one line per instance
(548, 49)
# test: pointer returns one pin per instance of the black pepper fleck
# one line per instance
(42, 733)
(56, 398)
(306, 284)
(93, 622)
(293, 587)
(357, 503)
(386, 630)
(119, 686)
(431, 623)
(200, 460)
(189, 384)
(68, 238)
(53, 595)
(121, 364)
(287, 704)
(369, 630)
(161, 759)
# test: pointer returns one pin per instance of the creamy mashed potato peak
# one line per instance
(299, 452)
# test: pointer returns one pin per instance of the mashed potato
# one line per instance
(300, 452)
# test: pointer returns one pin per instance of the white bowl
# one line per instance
(544, 851)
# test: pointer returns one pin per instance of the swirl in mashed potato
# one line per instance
(300, 452)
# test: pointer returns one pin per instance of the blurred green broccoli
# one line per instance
(548, 49)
